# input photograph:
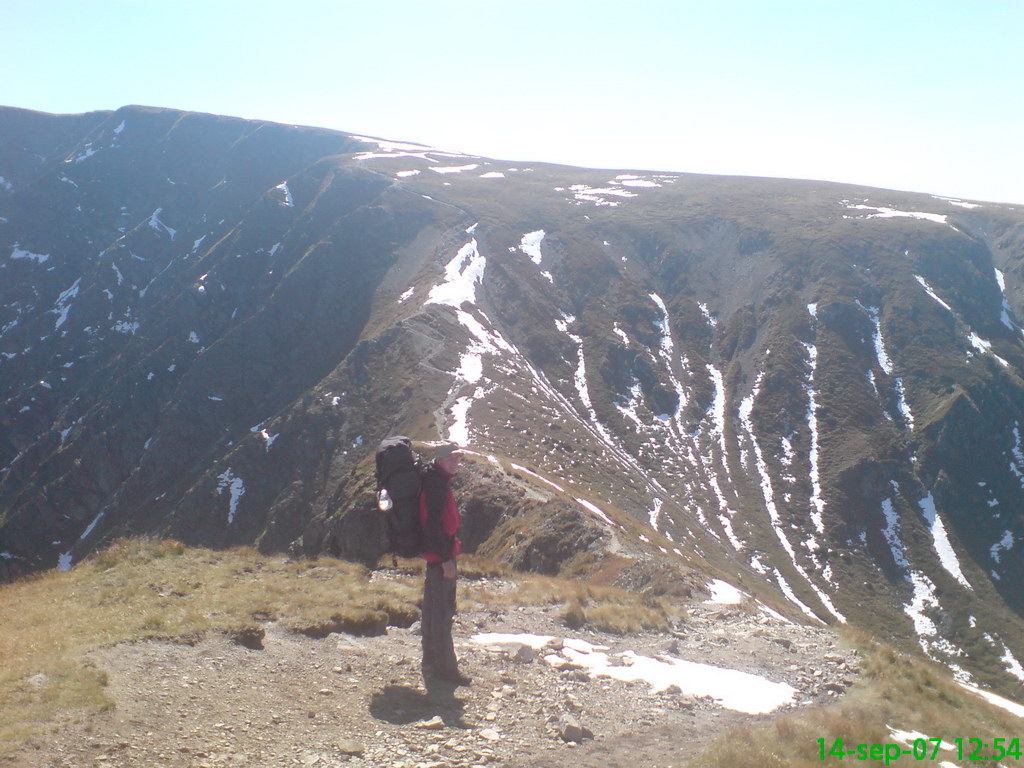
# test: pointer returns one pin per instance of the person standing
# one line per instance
(440, 522)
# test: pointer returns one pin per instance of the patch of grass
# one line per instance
(603, 608)
(139, 589)
(904, 692)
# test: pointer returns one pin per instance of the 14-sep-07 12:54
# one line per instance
(922, 749)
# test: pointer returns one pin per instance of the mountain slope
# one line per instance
(813, 389)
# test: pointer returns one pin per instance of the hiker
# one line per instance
(440, 521)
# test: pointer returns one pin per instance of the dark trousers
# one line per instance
(436, 624)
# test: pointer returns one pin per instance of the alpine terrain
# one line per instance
(811, 391)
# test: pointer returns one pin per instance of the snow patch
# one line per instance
(458, 432)
(406, 174)
(1006, 311)
(768, 493)
(530, 245)
(892, 213)
(38, 258)
(461, 276)
(931, 292)
(288, 201)
(1001, 546)
(229, 480)
(957, 202)
(454, 168)
(1010, 706)
(724, 593)
(732, 689)
(594, 510)
(533, 474)
(668, 356)
(597, 195)
(983, 346)
(940, 540)
(656, 513)
(159, 226)
(268, 438)
(63, 304)
(817, 503)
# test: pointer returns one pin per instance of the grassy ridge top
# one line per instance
(141, 589)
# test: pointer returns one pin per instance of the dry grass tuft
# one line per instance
(604, 608)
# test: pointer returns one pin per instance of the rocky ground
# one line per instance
(361, 701)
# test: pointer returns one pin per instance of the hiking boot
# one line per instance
(451, 676)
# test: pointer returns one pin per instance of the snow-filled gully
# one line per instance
(462, 275)
(768, 494)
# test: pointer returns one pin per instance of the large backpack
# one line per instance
(398, 473)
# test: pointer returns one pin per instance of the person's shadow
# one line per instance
(401, 705)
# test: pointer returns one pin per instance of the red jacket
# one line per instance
(439, 516)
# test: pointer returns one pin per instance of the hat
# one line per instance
(446, 449)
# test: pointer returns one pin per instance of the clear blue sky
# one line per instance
(925, 95)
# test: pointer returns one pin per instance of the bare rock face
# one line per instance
(207, 324)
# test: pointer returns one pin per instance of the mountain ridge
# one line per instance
(811, 386)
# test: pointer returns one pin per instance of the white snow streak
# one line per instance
(1006, 311)
(461, 276)
(458, 432)
(1002, 545)
(885, 363)
(18, 253)
(768, 493)
(940, 540)
(288, 201)
(892, 213)
(740, 691)
(983, 346)
(454, 168)
(597, 195)
(1017, 465)
(1010, 706)
(655, 513)
(817, 503)
(533, 474)
(156, 224)
(925, 601)
(717, 412)
(63, 304)
(228, 479)
(595, 511)
(668, 356)
(530, 245)
(580, 378)
(931, 292)
(791, 596)
(724, 593)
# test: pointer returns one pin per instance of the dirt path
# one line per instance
(355, 701)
